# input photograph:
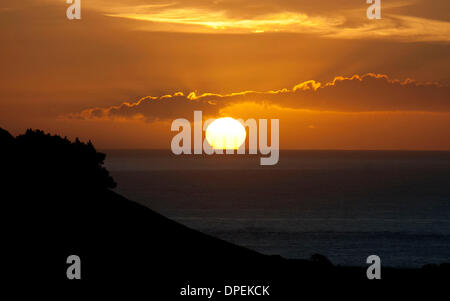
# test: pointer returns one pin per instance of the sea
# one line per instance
(345, 205)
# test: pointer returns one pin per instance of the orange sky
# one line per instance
(335, 79)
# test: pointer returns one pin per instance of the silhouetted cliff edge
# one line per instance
(58, 201)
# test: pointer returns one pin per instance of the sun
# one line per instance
(225, 133)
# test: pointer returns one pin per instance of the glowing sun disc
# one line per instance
(225, 133)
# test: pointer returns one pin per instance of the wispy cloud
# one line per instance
(204, 20)
(399, 27)
(334, 19)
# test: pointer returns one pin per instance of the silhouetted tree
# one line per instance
(39, 159)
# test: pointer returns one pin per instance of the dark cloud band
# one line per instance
(366, 93)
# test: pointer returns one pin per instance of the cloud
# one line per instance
(332, 19)
(204, 20)
(366, 93)
(403, 28)
(402, 20)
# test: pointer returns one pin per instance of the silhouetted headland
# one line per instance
(62, 204)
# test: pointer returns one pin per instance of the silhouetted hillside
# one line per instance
(59, 202)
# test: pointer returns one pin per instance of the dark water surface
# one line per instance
(345, 205)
